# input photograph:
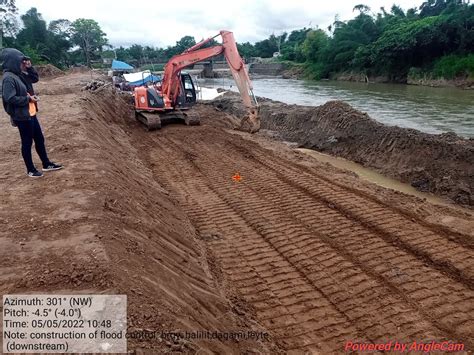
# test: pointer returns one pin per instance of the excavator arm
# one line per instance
(171, 82)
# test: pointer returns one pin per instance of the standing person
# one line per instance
(30, 76)
(21, 103)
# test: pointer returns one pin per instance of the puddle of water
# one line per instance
(372, 176)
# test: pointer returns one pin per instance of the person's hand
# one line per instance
(33, 98)
(28, 63)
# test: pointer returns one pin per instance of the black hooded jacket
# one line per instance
(14, 86)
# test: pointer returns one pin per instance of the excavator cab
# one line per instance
(188, 90)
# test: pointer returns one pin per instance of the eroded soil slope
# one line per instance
(442, 164)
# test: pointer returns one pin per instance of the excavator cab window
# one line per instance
(189, 89)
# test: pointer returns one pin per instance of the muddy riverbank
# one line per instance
(442, 164)
(430, 110)
(464, 83)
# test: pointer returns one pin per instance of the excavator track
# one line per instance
(192, 118)
(151, 120)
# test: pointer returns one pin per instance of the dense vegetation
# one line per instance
(436, 39)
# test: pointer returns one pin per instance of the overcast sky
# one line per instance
(162, 23)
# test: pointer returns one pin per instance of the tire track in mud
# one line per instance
(281, 191)
(265, 278)
(320, 264)
(465, 255)
(444, 253)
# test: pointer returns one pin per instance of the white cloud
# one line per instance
(160, 23)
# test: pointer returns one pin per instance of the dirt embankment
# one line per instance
(293, 72)
(466, 83)
(159, 260)
(105, 225)
(48, 71)
(460, 82)
(442, 164)
(73, 82)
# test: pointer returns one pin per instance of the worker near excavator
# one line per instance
(21, 104)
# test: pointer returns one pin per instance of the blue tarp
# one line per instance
(118, 65)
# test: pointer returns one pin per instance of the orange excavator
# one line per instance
(176, 94)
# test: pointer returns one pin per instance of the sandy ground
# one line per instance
(304, 251)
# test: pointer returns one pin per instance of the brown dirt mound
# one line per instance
(442, 164)
(94, 85)
(81, 69)
(48, 71)
(72, 83)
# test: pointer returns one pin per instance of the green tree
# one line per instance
(291, 49)
(136, 52)
(314, 45)
(33, 37)
(363, 9)
(61, 27)
(184, 43)
(8, 22)
(41, 42)
(267, 47)
(313, 49)
(88, 35)
(122, 54)
(246, 50)
(32, 53)
(180, 46)
(434, 7)
(59, 42)
(397, 11)
(34, 32)
(347, 39)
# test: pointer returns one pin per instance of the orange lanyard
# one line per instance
(32, 109)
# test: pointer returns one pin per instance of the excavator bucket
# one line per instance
(251, 122)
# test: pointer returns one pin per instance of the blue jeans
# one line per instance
(30, 131)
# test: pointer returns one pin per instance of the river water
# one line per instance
(432, 110)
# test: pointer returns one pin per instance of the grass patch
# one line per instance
(454, 66)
